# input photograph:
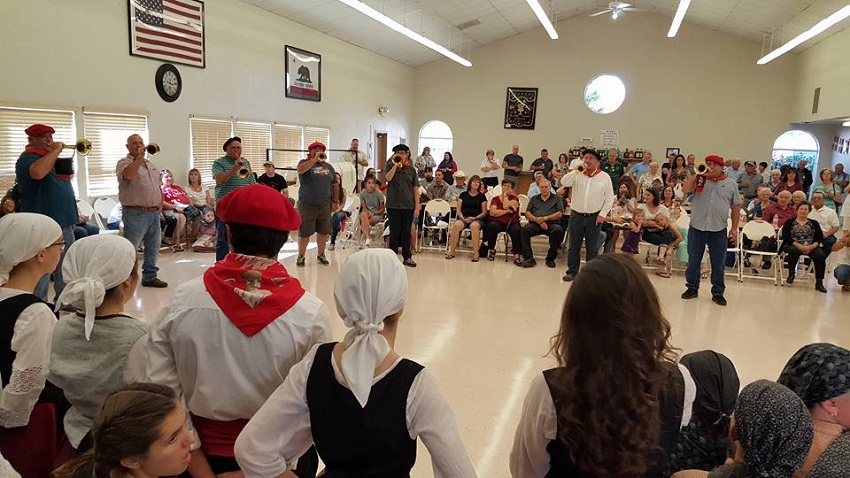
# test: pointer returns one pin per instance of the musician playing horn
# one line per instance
(318, 185)
(44, 191)
(402, 201)
(225, 170)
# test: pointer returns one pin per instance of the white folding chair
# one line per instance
(739, 262)
(758, 230)
(523, 206)
(434, 208)
(85, 209)
(101, 210)
(352, 225)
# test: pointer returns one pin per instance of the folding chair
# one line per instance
(434, 208)
(87, 210)
(352, 225)
(755, 231)
(103, 206)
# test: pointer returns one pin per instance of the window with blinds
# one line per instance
(288, 137)
(313, 134)
(13, 140)
(256, 138)
(208, 136)
(108, 133)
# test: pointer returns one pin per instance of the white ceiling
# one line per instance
(443, 20)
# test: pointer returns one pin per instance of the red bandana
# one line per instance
(251, 291)
(702, 179)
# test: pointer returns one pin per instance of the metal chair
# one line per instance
(434, 208)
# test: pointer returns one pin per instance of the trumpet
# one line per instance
(321, 156)
(397, 159)
(700, 168)
(152, 149)
(243, 172)
(82, 147)
(580, 168)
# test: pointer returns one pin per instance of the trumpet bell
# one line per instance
(580, 168)
(243, 173)
(321, 156)
(700, 168)
(153, 149)
(82, 147)
(396, 159)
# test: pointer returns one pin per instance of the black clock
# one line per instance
(168, 82)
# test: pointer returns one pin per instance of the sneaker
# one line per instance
(300, 261)
(765, 265)
(409, 262)
(155, 282)
(332, 247)
(550, 263)
(323, 260)
(690, 294)
(568, 277)
(719, 300)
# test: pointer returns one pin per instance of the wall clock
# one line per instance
(168, 82)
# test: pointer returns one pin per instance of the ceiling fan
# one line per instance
(616, 9)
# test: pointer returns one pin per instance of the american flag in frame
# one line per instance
(168, 30)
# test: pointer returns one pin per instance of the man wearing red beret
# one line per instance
(714, 195)
(317, 188)
(43, 191)
(226, 340)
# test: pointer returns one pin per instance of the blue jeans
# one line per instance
(842, 273)
(142, 228)
(337, 219)
(222, 248)
(583, 227)
(716, 242)
(58, 282)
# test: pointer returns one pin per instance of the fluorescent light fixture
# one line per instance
(807, 35)
(544, 20)
(678, 17)
(394, 25)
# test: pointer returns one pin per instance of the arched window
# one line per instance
(437, 136)
(793, 146)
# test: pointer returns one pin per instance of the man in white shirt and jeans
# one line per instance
(592, 199)
(827, 218)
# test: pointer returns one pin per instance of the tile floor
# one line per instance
(483, 330)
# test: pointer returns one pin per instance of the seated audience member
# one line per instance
(704, 443)
(199, 195)
(84, 228)
(8, 205)
(338, 215)
(827, 219)
(658, 229)
(782, 209)
(668, 197)
(772, 432)
(248, 306)
(168, 224)
(831, 191)
(631, 244)
(373, 208)
(646, 179)
(30, 247)
(534, 187)
(205, 232)
(544, 217)
(428, 179)
(362, 404)
(139, 432)
(176, 204)
(765, 173)
(614, 346)
(803, 236)
(113, 222)
(817, 374)
(472, 215)
(749, 181)
(756, 208)
(273, 180)
(459, 187)
(797, 197)
(438, 189)
(504, 217)
(98, 349)
(775, 181)
(789, 182)
(842, 266)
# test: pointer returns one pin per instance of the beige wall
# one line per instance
(702, 91)
(75, 53)
(824, 65)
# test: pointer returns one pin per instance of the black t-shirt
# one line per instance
(547, 164)
(471, 205)
(400, 188)
(277, 181)
(512, 160)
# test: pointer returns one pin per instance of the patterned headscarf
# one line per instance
(818, 372)
(774, 428)
(835, 461)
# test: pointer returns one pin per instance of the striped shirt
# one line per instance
(223, 164)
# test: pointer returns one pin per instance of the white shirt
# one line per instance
(661, 211)
(221, 373)
(826, 217)
(31, 341)
(590, 193)
(486, 164)
(538, 425)
(280, 431)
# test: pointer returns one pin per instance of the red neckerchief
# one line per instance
(251, 308)
(702, 178)
(595, 172)
(43, 152)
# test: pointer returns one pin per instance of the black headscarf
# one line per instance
(774, 428)
(835, 461)
(818, 372)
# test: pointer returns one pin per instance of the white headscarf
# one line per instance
(372, 285)
(22, 236)
(92, 266)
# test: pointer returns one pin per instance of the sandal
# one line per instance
(475, 258)
(177, 248)
(450, 256)
(491, 255)
(663, 274)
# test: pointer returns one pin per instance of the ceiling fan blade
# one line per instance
(633, 9)
(603, 12)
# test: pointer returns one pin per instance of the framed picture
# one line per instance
(673, 151)
(303, 74)
(520, 108)
(168, 30)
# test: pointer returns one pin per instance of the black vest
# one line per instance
(671, 399)
(355, 441)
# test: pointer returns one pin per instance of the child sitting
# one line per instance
(632, 240)
(205, 233)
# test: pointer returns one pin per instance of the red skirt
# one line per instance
(33, 450)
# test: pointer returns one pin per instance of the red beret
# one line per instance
(316, 144)
(38, 130)
(714, 159)
(258, 205)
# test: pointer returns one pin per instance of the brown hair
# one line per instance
(474, 177)
(612, 343)
(189, 176)
(127, 425)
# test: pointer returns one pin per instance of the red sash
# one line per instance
(217, 437)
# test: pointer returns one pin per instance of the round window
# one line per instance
(604, 94)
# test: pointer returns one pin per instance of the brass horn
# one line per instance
(82, 147)
(152, 149)
(396, 159)
(580, 168)
(321, 156)
(700, 168)
(243, 172)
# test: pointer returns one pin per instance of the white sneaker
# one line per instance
(368, 242)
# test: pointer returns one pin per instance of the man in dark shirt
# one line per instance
(614, 168)
(512, 164)
(543, 163)
(805, 176)
(402, 200)
(544, 217)
(273, 180)
(316, 196)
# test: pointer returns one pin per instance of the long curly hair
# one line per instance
(613, 344)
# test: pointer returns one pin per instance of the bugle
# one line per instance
(396, 159)
(152, 149)
(243, 172)
(82, 147)
(580, 168)
(700, 168)
(321, 156)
